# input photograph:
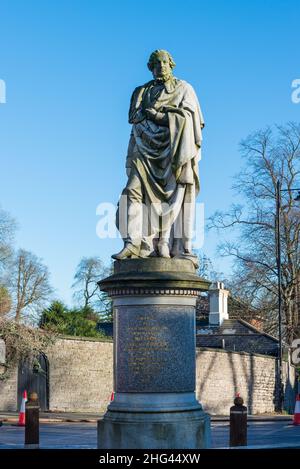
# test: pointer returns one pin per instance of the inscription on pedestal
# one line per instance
(148, 348)
(154, 351)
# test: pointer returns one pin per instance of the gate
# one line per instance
(35, 377)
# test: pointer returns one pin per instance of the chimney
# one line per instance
(218, 310)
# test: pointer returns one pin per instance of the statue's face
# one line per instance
(161, 67)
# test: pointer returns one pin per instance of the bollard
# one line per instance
(238, 423)
(32, 436)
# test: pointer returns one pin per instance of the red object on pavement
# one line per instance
(297, 411)
(21, 422)
(112, 396)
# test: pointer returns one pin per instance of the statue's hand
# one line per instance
(150, 114)
(160, 118)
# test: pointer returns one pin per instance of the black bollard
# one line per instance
(32, 410)
(238, 423)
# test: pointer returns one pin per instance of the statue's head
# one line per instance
(161, 64)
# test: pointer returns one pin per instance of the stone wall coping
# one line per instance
(85, 339)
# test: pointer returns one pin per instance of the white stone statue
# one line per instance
(156, 211)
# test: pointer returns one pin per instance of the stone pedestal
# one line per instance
(154, 357)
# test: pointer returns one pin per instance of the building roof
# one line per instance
(235, 335)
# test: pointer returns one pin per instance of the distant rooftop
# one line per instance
(235, 335)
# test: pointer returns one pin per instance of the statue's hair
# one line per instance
(155, 54)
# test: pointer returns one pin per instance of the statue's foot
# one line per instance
(187, 247)
(126, 253)
(176, 248)
(188, 254)
(163, 249)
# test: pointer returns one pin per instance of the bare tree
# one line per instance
(270, 155)
(7, 231)
(89, 271)
(207, 270)
(29, 287)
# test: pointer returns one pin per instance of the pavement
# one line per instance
(55, 417)
(83, 435)
(261, 434)
(52, 435)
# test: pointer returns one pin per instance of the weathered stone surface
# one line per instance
(159, 273)
(220, 374)
(155, 350)
(156, 209)
(174, 430)
(2, 351)
(81, 375)
(8, 392)
(143, 402)
(154, 264)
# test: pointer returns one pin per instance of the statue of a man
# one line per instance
(162, 165)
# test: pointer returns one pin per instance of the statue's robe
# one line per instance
(164, 158)
(165, 155)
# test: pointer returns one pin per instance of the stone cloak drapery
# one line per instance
(166, 156)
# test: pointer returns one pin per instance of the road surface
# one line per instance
(84, 435)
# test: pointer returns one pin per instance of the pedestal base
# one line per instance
(155, 407)
(174, 430)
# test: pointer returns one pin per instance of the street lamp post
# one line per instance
(279, 278)
(278, 259)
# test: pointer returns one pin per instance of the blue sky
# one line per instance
(70, 68)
